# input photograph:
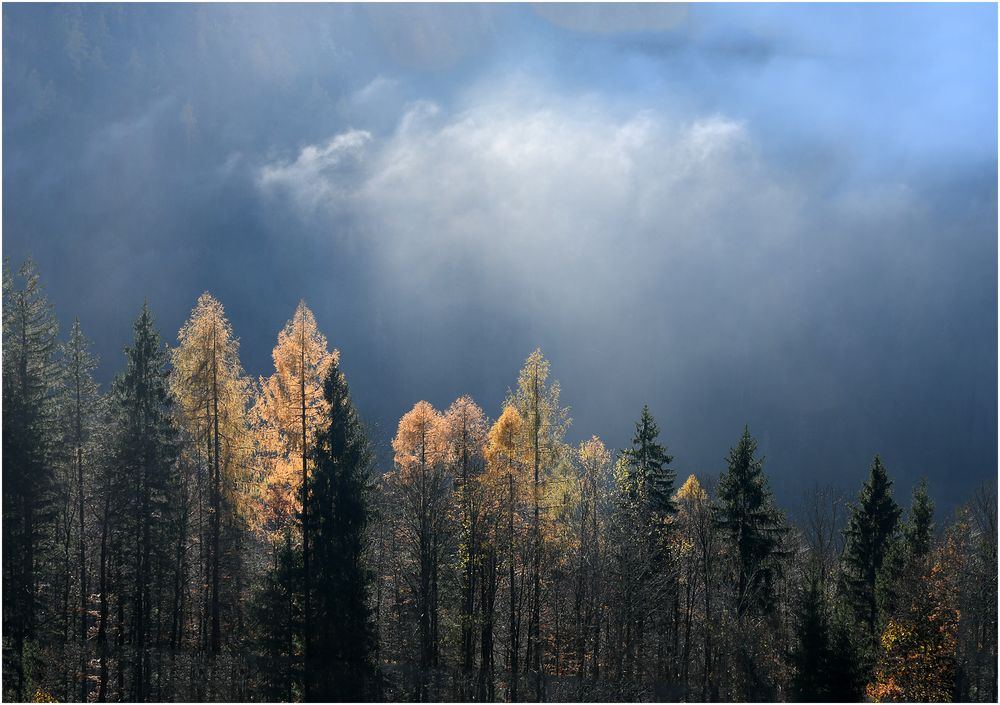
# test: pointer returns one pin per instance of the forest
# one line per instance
(191, 534)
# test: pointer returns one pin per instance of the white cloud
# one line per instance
(538, 193)
(322, 175)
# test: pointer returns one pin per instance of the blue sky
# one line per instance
(779, 215)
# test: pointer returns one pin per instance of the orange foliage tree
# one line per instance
(422, 489)
(917, 659)
(506, 475)
(464, 429)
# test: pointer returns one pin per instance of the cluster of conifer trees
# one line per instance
(192, 534)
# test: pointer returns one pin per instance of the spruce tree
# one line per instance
(870, 532)
(343, 642)
(746, 512)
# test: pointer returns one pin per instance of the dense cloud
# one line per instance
(732, 216)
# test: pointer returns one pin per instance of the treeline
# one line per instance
(192, 534)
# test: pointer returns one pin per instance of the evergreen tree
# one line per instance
(644, 487)
(145, 453)
(919, 528)
(30, 378)
(900, 578)
(870, 531)
(649, 464)
(746, 512)
(812, 646)
(822, 658)
(341, 655)
(275, 623)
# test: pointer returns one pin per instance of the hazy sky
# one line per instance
(784, 216)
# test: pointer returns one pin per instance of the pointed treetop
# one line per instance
(920, 522)
(691, 490)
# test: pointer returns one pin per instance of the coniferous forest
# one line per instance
(188, 533)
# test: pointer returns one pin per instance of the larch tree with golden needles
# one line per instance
(212, 392)
(594, 478)
(287, 414)
(464, 428)
(506, 466)
(545, 423)
(424, 488)
(693, 511)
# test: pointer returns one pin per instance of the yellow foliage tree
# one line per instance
(212, 393)
(286, 416)
(545, 424)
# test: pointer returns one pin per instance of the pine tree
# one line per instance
(746, 512)
(870, 532)
(342, 649)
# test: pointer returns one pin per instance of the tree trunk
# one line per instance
(216, 501)
(102, 629)
(306, 588)
(514, 636)
(83, 543)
